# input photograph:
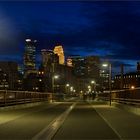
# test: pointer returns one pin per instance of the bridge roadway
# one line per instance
(69, 121)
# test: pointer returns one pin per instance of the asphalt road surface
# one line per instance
(26, 123)
(85, 123)
(69, 121)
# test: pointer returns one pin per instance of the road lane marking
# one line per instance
(48, 132)
(107, 122)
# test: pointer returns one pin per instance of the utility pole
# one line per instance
(110, 82)
(52, 78)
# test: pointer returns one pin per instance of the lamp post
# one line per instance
(53, 81)
(66, 88)
(110, 81)
(71, 90)
(93, 83)
(110, 77)
(93, 94)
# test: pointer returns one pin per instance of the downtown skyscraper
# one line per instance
(29, 56)
(60, 52)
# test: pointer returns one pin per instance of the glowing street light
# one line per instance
(56, 76)
(66, 88)
(92, 82)
(71, 88)
(67, 85)
(132, 87)
(53, 81)
(89, 87)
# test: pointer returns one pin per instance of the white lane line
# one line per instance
(48, 132)
(107, 123)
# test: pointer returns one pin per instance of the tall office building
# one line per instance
(48, 57)
(85, 66)
(49, 65)
(78, 64)
(30, 56)
(92, 67)
(59, 51)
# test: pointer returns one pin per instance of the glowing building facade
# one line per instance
(30, 56)
(59, 51)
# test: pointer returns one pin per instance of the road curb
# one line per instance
(132, 109)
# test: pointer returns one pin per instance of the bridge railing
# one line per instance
(9, 97)
(125, 96)
(127, 101)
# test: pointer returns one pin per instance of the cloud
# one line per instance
(109, 29)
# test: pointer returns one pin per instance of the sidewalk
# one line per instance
(125, 124)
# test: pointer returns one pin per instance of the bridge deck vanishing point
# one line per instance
(69, 120)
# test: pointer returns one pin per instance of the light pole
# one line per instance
(93, 83)
(53, 80)
(110, 81)
(110, 77)
(66, 88)
(93, 94)
(71, 89)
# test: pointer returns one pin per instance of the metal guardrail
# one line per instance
(9, 97)
(121, 90)
(135, 102)
(124, 96)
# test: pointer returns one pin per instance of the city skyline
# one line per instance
(107, 29)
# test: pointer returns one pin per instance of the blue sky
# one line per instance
(108, 29)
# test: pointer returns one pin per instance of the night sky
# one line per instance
(108, 29)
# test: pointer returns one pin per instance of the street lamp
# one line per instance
(110, 77)
(56, 76)
(71, 90)
(66, 88)
(53, 80)
(93, 82)
(67, 85)
(132, 87)
(89, 87)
